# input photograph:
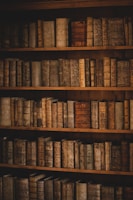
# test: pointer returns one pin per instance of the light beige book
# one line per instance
(36, 73)
(62, 32)
(5, 111)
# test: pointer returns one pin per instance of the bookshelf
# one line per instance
(76, 149)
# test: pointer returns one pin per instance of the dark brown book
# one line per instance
(48, 188)
(124, 156)
(22, 188)
(45, 72)
(57, 189)
(19, 73)
(103, 115)
(78, 33)
(74, 73)
(66, 76)
(115, 157)
(113, 69)
(54, 73)
(1, 73)
(116, 31)
(8, 187)
(94, 191)
(20, 151)
(39, 33)
(6, 73)
(126, 111)
(111, 114)
(99, 73)
(48, 151)
(26, 73)
(32, 34)
(119, 113)
(105, 31)
(107, 192)
(31, 153)
(131, 113)
(82, 114)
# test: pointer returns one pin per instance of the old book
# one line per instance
(54, 73)
(105, 31)
(106, 71)
(61, 28)
(25, 34)
(82, 156)
(20, 151)
(99, 73)
(48, 188)
(8, 187)
(10, 151)
(131, 72)
(116, 31)
(48, 151)
(22, 188)
(124, 156)
(92, 72)
(1, 73)
(5, 111)
(82, 72)
(81, 190)
(115, 157)
(15, 35)
(128, 192)
(64, 155)
(40, 189)
(66, 73)
(82, 114)
(89, 161)
(131, 114)
(111, 114)
(26, 73)
(67, 190)
(55, 116)
(36, 73)
(59, 114)
(78, 33)
(4, 153)
(65, 114)
(130, 31)
(31, 153)
(26, 112)
(130, 156)
(103, 118)
(6, 73)
(113, 68)
(49, 112)
(57, 189)
(57, 153)
(97, 30)
(45, 73)
(126, 116)
(43, 100)
(39, 113)
(76, 154)
(90, 33)
(107, 192)
(119, 113)
(32, 34)
(12, 72)
(74, 73)
(99, 155)
(19, 73)
(94, 114)
(6, 41)
(123, 79)
(119, 192)
(107, 145)
(70, 107)
(33, 179)
(39, 33)
(49, 33)
(87, 72)
(67, 153)
(94, 191)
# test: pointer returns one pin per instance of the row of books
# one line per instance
(64, 153)
(83, 72)
(63, 32)
(40, 186)
(53, 113)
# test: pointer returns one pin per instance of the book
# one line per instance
(89, 161)
(87, 72)
(54, 73)
(131, 113)
(107, 192)
(99, 155)
(108, 145)
(36, 73)
(74, 73)
(20, 151)
(12, 72)
(21, 188)
(82, 72)
(70, 111)
(92, 72)
(130, 156)
(5, 111)
(45, 72)
(106, 71)
(113, 72)
(26, 112)
(94, 114)
(115, 157)
(82, 114)
(48, 152)
(90, 32)
(57, 153)
(32, 34)
(1, 73)
(111, 114)
(123, 79)
(82, 156)
(8, 187)
(81, 190)
(102, 115)
(39, 32)
(104, 31)
(31, 153)
(61, 29)
(119, 113)
(124, 156)
(116, 31)
(126, 111)
(78, 33)
(93, 191)
(97, 31)
(49, 33)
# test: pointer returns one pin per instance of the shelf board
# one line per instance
(43, 88)
(82, 48)
(79, 130)
(68, 170)
(62, 4)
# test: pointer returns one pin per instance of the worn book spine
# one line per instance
(70, 153)
(8, 187)
(45, 72)
(131, 114)
(39, 31)
(31, 153)
(81, 190)
(49, 153)
(59, 114)
(92, 72)
(64, 156)
(130, 156)
(57, 154)
(20, 151)
(94, 191)
(32, 34)
(62, 32)
(131, 72)
(119, 113)
(115, 157)
(25, 35)
(6, 73)
(97, 30)
(106, 71)
(108, 155)
(36, 73)
(89, 156)
(82, 157)
(123, 78)
(99, 73)
(111, 114)
(5, 111)
(125, 156)
(103, 115)
(82, 72)
(94, 114)
(126, 116)
(26, 113)
(66, 79)
(90, 33)
(54, 73)
(104, 31)
(49, 33)
(113, 71)
(19, 73)
(70, 107)
(21, 188)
